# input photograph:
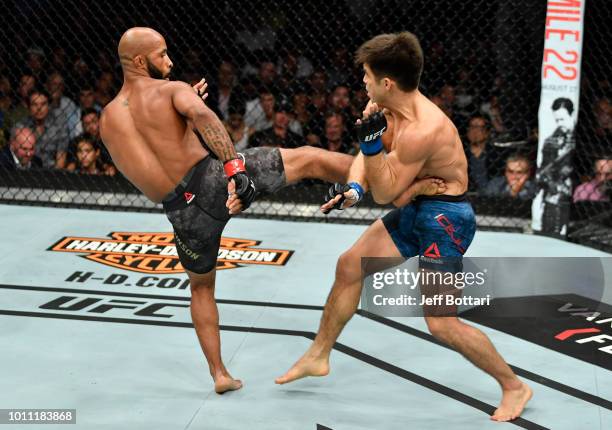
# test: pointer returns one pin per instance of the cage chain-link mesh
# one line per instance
(289, 64)
(591, 212)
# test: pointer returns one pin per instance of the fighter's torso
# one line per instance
(447, 158)
(150, 143)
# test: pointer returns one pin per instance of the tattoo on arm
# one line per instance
(218, 141)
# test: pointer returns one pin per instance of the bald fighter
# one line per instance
(422, 141)
(150, 131)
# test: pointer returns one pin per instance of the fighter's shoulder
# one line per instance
(110, 118)
(172, 87)
(108, 110)
(420, 132)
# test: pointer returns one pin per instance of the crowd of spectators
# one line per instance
(49, 116)
(46, 123)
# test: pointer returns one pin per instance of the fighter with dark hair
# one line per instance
(410, 139)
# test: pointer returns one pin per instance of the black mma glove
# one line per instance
(369, 133)
(245, 188)
(352, 188)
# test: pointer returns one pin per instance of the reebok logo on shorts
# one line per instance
(432, 251)
(189, 197)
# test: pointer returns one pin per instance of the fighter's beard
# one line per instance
(154, 72)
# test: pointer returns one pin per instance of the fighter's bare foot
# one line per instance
(512, 404)
(224, 383)
(305, 366)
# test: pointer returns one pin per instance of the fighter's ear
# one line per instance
(387, 83)
(139, 60)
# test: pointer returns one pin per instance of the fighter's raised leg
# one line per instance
(274, 168)
(315, 163)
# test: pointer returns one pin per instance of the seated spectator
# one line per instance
(279, 135)
(294, 125)
(104, 88)
(286, 79)
(35, 60)
(464, 101)
(598, 189)
(318, 82)
(359, 101)
(104, 61)
(61, 107)
(59, 60)
(340, 66)
(300, 108)
(484, 160)
(222, 90)
(445, 99)
(259, 113)
(51, 136)
(237, 128)
(464, 91)
(336, 138)
(295, 65)
(247, 91)
(80, 74)
(340, 103)
(315, 127)
(90, 124)
(293, 70)
(88, 157)
(516, 182)
(21, 110)
(603, 120)
(267, 74)
(19, 153)
(87, 98)
(492, 112)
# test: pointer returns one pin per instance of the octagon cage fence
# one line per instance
(283, 72)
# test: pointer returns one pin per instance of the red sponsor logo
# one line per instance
(432, 251)
(569, 333)
(189, 197)
(449, 228)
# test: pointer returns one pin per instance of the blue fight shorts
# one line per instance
(439, 229)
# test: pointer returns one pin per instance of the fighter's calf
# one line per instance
(315, 163)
